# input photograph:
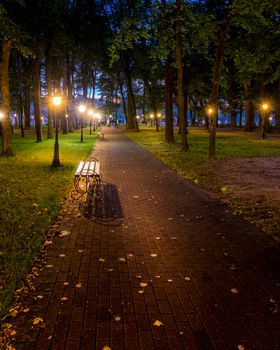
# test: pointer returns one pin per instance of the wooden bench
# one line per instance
(87, 178)
(100, 135)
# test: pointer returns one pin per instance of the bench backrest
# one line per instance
(88, 168)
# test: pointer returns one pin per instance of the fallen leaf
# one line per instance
(139, 276)
(140, 291)
(130, 255)
(101, 260)
(106, 347)
(158, 323)
(78, 285)
(39, 297)
(37, 320)
(121, 259)
(153, 255)
(170, 280)
(234, 291)
(241, 347)
(170, 218)
(14, 313)
(50, 337)
(49, 266)
(117, 318)
(202, 249)
(174, 238)
(80, 250)
(110, 270)
(157, 276)
(66, 283)
(64, 233)
(25, 310)
(143, 284)
(225, 254)
(64, 299)
(13, 333)
(62, 255)
(48, 242)
(181, 333)
(158, 238)
(135, 196)
(187, 278)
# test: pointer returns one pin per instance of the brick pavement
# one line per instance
(211, 279)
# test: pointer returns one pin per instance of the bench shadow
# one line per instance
(105, 207)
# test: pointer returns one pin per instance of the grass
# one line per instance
(31, 196)
(194, 164)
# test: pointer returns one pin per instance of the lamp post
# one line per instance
(152, 117)
(82, 109)
(66, 117)
(209, 112)
(265, 108)
(56, 100)
(90, 114)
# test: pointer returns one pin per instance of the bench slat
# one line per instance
(90, 168)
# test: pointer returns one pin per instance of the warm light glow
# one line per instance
(265, 106)
(90, 112)
(66, 115)
(56, 100)
(82, 108)
(137, 117)
(1, 115)
(151, 116)
(159, 115)
(210, 110)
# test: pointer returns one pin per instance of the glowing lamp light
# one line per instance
(56, 100)
(151, 116)
(1, 115)
(66, 115)
(82, 108)
(210, 110)
(97, 116)
(159, 115)
(90, 112)
(265, 106)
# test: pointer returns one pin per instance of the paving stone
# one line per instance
(172, 236)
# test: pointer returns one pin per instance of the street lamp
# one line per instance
(66, 117)
(209, 112)
(265, 108)
(56, 100)
(90, 114)
(82, 109)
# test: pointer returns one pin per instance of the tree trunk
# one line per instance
(216, 81)
(131, 110)
(69, 109)
(123, 98)
(249, 108)
(180, 82)
(169, 129)
(37, 92)
(278, 108)
(6, 46)
(49, 91)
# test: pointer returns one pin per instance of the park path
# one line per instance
(180, 272)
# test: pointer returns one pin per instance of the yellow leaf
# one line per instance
(13, 333)
(143, 284)
(234, 291)
(66, 283)
(26, 309)
(106, 347)
(37, 320)
(14, 313)
(153, 255)
(78, 285)
(64, 299)
(158, 323)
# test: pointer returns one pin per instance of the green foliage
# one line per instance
(31, 195)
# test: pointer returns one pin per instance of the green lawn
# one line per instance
(31, 195)
(194, 165)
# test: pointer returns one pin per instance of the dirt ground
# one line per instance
(252, 187)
